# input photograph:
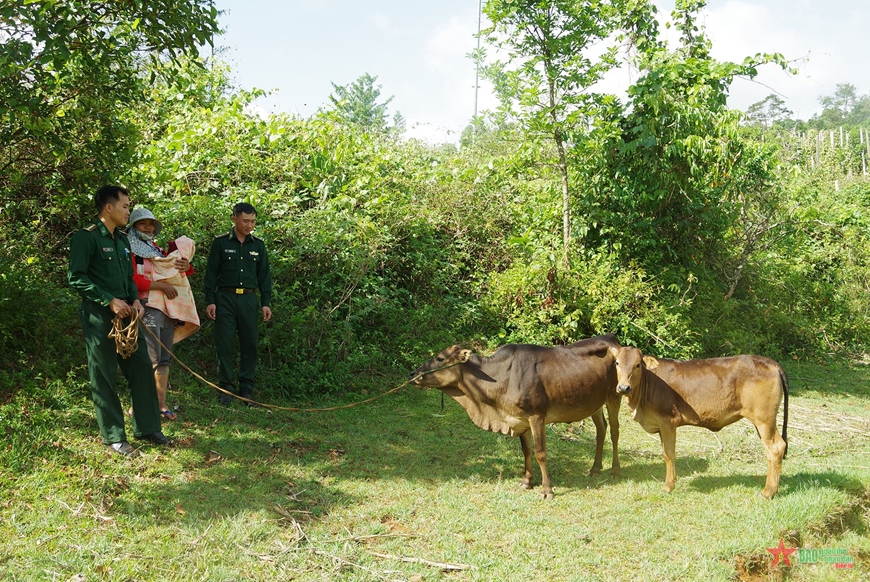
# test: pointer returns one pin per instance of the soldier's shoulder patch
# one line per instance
(91, 227)
(255, 237)
(124, 232)
(224, 235)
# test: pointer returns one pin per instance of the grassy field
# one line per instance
(400, 489)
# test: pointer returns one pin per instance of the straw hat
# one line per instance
(141, 213)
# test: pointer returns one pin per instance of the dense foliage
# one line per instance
(693, 230)
(71, 75)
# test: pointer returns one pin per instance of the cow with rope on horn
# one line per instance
(101, 272)
(521, 388)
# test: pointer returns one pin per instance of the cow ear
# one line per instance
(650, 362)
(614, 351)
(464, 355)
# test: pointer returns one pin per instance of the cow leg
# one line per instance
(668, 435)
(613, 416)
(600, 434)
(526, 483)
(775, 447)
(539, 434)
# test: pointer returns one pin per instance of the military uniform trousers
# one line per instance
(103, 363)
(236, 313)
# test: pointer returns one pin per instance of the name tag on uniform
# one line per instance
(108, 249)
(229, 250)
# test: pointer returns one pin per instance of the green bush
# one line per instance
(540, 303)
(385, 251)
(39, 325)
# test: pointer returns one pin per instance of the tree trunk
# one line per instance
(566, 198)
(563, 169)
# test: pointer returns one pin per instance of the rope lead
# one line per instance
(126, 342)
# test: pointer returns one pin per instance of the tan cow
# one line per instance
(521, 388)
(664, 394)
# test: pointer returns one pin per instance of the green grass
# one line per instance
(260, 495)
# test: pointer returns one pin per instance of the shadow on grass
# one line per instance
(421, 442)
(226, 491)
(411, 438)
(837, 379)
(788, 485)
(243, 460)
(639, 471)
(406, 436)
(237, 460)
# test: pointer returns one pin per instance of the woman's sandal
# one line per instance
(168, 414)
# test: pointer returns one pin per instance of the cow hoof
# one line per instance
(525, 484)
(593, 472)
(767, 494)
(667, 488)
(615, 472)
(547, 495)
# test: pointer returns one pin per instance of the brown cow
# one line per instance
(522, 388)
(664, 394)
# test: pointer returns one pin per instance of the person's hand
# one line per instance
(120, 307)
(267, 313)
(182, 264)
(210, 310)
(169, 290)
(137, 305)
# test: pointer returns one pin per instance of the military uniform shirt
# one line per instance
(240, 265)
(99, 265)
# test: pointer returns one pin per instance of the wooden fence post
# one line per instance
(818, 147)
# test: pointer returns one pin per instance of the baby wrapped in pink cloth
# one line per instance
(182, 308)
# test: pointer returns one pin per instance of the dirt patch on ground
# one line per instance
(756, 568)
(854, 516)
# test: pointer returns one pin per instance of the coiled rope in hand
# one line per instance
(126, 337)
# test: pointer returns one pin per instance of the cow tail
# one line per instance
(784, 381)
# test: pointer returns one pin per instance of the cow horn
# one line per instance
(464, 355)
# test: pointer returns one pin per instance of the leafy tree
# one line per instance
(666, 195)
(844, 108)
(768, 111)
(399, 121)
(551, 65)
(67, 68)
(357, 104)
(70, 71)
(761, 214)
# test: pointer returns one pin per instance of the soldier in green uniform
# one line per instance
(237, 267)
(101, 272)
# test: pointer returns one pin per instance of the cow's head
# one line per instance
(630, 363)
(441, 369)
